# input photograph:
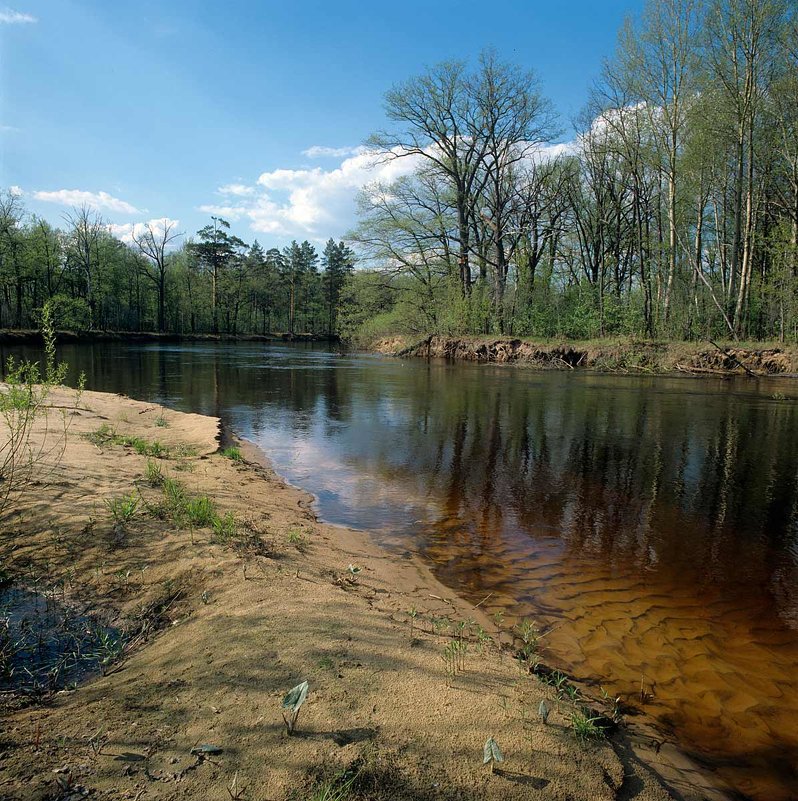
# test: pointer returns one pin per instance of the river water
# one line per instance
(651, 522)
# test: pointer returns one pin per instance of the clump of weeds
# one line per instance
(233, 454)
(123, 509)
(296, 537)
(584, 726)
(154, 474)
(224, 527)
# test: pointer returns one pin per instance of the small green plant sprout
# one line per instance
(154, 474)
(584, 727)
(354, 570)
(201, 511)
(413, 615)
(491, 753)
(293, 703)
(498, 618)
(614, 706)
(161, 422)
(97, 741)
(233, 454)
(544, 711)
(224, 527)
(439, 624)
(297, 539)
(529, 633)
(483, 638)
(122, 509)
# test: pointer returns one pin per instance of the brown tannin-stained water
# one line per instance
(651, 522)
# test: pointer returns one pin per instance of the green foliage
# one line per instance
(491, 753)
(175, 495)
(154, 474)
(200, 511)
(123, 509)
(337, 788)
(233, 454)
(296, 537)
(224, 527)
(584, 727)
(106, 435)
(24, 401)
(69, 313)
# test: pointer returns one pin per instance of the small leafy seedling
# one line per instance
(491, 753)
(293, 703)
(584, 728)
(412, 614)
(122, 509)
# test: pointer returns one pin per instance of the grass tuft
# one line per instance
(234, 454)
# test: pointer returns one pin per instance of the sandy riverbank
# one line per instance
(606, 355)
(224, 625)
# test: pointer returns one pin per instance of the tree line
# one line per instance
(673, 213)
(213, 282)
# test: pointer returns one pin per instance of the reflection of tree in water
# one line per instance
(695, 480)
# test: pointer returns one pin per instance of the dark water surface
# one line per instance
(653, 521)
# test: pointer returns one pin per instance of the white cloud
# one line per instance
(313, 202)
(101, 201)
(322, 152)
(228, 212)
(239, 190)
(15, 190)
(8, 129)
(10, 17)
(317, 203)
(125, 231)
(551, 152)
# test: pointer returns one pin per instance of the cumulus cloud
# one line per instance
(310, 202)
(239, 190)
(228, 212)
(125, 231)
(315, 202)
(101, 201)
(8, 16)
(322, 152)
(15, 190)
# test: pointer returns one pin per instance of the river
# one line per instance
(649, 523)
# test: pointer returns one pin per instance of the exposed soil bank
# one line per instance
(607, 355)
(221, 625)
(34, 337)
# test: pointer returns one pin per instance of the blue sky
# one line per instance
(249, 109)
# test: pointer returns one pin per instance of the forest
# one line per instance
(670, 212)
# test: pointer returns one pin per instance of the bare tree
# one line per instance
(86, 228)
(153, 243)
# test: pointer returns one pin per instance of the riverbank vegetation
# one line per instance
(673, 212)
(670, 212)
(213, 283)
